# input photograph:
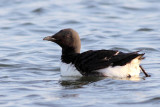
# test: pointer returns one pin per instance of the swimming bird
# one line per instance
(109, 63)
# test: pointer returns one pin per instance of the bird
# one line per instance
(101, 63)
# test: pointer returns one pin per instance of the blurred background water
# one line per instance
(29, 66)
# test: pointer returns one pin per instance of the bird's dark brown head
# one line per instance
(68, 39)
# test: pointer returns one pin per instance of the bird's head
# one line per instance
(68, 39)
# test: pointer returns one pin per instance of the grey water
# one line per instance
(29, 66)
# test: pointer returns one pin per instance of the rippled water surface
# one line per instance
(29, 66)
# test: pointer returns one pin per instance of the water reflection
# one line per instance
(79, 82)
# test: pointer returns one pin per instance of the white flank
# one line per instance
(131, 69)
(69, 70)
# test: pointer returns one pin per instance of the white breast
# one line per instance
(131, 69)
(69, 70)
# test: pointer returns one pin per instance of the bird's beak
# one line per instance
(49, 38)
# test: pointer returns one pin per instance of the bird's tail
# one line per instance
(141, 56)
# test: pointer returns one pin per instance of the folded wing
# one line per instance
(90, 61)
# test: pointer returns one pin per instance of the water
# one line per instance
(29, 66)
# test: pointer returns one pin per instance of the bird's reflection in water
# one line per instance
(79, 82)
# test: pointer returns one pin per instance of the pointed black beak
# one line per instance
(49, 38)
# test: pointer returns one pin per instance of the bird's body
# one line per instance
(101, 63)
(131, 69)
(110, 63)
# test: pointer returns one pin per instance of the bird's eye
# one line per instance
(67, 35)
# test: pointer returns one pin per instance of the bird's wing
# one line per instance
(90, 61)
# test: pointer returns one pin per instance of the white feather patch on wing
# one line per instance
(116, 53)
(69, 70)
(131, 69)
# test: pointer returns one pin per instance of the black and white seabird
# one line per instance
(109, 63)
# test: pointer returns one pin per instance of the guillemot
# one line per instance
(111, 63)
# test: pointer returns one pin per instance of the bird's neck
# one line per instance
(69, 55)
(70, 50)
